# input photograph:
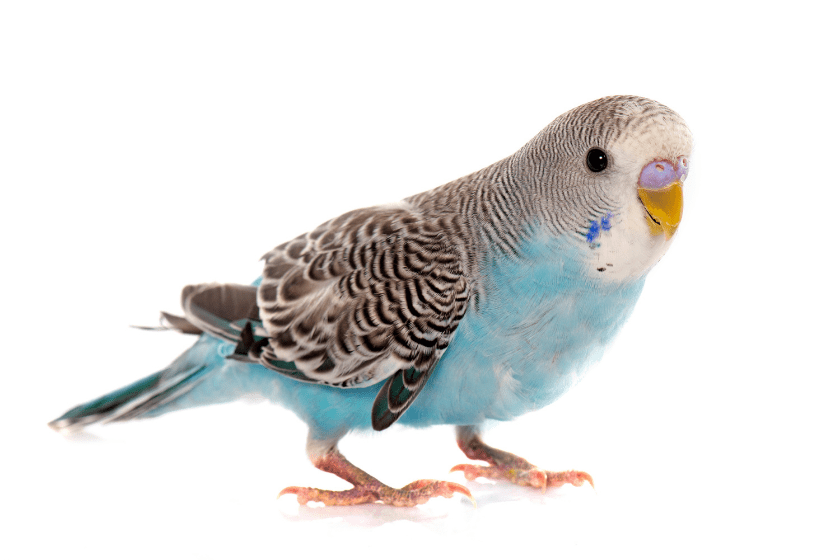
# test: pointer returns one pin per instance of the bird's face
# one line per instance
(650, 170)
(615, 185)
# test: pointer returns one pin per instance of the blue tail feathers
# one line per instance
(220, 310)
(136, 399)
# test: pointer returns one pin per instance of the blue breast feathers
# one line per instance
(541, 320)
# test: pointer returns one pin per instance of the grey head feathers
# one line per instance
(547, 181)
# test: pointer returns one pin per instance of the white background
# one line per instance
(147, 146)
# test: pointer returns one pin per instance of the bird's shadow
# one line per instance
(486, 494)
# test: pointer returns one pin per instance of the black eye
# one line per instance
(596, 160)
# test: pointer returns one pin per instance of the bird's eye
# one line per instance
(596, 160)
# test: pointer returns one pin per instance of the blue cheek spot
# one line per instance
(593, 232)
(597, 226)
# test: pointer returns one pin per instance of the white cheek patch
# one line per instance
(621, 247)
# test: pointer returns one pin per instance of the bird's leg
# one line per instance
(506, 466)
(366, 489)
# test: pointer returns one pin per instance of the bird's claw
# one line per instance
(535, 478)
(437, 488)
(575, 478)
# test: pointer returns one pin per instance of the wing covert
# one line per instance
(368, 294)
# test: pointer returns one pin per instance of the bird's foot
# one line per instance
(533, 477)
(507, 466)
(368, 490)
(416, 493)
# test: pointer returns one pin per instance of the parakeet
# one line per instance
(480, 300)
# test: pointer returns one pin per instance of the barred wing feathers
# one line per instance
(366, 296)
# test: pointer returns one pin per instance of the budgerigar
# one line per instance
(480, 300)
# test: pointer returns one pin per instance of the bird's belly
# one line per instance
(511, 359)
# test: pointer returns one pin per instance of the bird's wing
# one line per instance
(222, 310)
(228, 312)
(374, 293)
(396, 395)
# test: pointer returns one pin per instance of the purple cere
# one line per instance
(682, 167)
(657, 174)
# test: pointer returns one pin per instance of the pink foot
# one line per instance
(368, 490)
(507, 466)
(534, 477)
(416, 493)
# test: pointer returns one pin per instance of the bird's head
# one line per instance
(609, 174)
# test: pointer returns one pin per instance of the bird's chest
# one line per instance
(536, 325)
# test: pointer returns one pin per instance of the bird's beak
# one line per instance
(664, 207)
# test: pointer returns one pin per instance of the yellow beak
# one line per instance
(664, 208)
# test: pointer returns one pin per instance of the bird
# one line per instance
(475, 302)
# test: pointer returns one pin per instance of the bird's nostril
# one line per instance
(682, 167)
(657, 174)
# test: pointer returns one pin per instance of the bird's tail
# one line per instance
(214, 311)
(137, 399)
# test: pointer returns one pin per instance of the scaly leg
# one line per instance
(506, 466)
(366, 489)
